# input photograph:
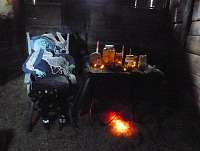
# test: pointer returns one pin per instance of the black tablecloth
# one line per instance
(117, 86)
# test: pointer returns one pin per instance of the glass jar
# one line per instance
(142, 63)
(130, 61)
(108, 56)
(118, 58)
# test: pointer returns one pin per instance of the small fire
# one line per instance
(120, 127)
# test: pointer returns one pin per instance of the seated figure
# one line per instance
(50, 70)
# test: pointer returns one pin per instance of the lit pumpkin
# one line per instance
(95, 58)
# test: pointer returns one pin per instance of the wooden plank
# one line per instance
(176, 11)
(43, 11)
(41, 29)
(11, 53)
(196, 11)
(177, 28)
(195, 28)
(44, 3)
(193, 44)
(10, 70)
(43, 22)
(196, 80)
(177, 15)
(4, 44)
(188, 10)
(194, 63)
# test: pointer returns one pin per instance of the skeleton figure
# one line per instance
(43, 61)
(62, 46)
(45, 65)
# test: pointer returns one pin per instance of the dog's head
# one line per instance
(61, 47)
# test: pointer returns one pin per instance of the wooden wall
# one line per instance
(12, 45)
(193, 46)
(43, 16)
(113, 22)
(110, 22)
(185, 19)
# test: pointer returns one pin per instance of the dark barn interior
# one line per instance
(167, 31)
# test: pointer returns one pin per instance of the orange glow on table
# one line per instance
(95, 65)
(125, 69)
(102, 66)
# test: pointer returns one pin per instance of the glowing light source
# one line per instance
(102, 66)
(120, 127)
(33, 2)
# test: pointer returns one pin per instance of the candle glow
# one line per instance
(102, 66)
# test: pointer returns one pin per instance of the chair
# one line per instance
(50, 94)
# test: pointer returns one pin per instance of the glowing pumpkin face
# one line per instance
(95, 58)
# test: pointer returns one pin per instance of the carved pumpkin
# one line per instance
(95, 58)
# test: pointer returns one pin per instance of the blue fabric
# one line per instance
(34, 62)
(68, 57)
(50, 42)
(37, 61)
(42, 65)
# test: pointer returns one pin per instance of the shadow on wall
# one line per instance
(74, 15)
(6, 137)
(78, 49)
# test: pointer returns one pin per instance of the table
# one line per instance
(115, 85)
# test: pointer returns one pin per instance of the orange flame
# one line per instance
(120, 127)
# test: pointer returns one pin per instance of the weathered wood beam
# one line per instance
(194, 62)
(195, 28)
(196, 11)
(167, 4)
(188, 11)
(193, 44)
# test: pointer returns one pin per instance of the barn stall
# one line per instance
(166, 31)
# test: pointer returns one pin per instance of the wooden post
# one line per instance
(188, 10)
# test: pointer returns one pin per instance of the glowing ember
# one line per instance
(119, 127)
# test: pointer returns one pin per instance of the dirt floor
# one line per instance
(170, 125)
